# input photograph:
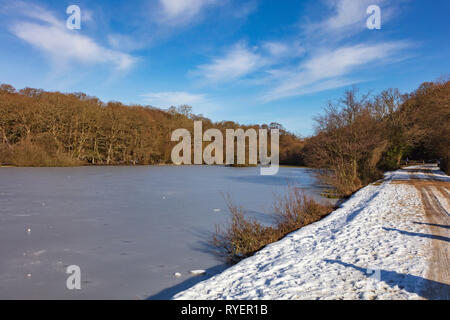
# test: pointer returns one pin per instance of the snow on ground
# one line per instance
(441, 197)
(369, 248)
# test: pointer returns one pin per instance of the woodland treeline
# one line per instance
(40, 128)
(359, 136)
(356, 138)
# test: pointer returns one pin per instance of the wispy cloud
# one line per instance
(311, 63)
(241, 60)
(237, 62)
(177, 12)
(347, 17)
(327, 70)
(279, 49)
(284, 67)
(41, 29)
(347, 13)
(125, 42)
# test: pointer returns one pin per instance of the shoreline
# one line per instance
(377, 245)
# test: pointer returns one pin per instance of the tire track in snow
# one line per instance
(438, 218)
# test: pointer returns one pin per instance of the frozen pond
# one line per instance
(129, 229)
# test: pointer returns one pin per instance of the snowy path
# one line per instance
(434, 192)
(383, 243)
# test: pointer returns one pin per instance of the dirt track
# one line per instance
(434, 189)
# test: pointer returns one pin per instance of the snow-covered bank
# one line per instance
(375, 246)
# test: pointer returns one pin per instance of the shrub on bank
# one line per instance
(28, 153)
(244, 236)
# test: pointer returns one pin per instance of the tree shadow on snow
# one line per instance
(433, 224)
(422, 235)
(425, 288)
(362, 206)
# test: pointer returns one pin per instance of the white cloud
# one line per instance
(63, 45)
(348, 17)
(283, 49)
(327, 70)
(348, 12)
(314, 63)
(238, 62)
(329, 65)
(124, 42)
(272, 67)
(182, 11)
(173, 98)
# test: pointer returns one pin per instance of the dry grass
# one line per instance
(243, 236)
(295, 210)
(29, 154)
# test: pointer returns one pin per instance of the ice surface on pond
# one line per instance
(129, 229)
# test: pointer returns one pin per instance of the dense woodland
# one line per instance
(356, 138)
(360, 136)
(41, 128)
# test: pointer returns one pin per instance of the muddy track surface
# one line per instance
(434, 189)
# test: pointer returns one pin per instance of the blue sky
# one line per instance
(249, 61)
